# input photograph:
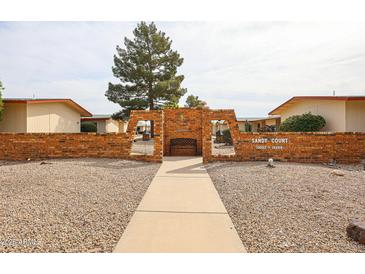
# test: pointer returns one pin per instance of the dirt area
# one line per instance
(78, 205)
(292, 207)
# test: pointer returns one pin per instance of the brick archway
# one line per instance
(184, 126)
(190, 126)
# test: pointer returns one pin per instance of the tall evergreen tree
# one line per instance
(147, 70)
(1, 100)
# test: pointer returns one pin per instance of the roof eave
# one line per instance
(83, 112)
(277, 111)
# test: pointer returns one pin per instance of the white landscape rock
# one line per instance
(270, 163)
(337, 172)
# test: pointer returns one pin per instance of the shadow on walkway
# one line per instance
(192, 169)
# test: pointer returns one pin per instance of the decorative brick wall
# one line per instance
(182, 123)
(317, 147)
(34, 146)
(22, 146)
(304, 147)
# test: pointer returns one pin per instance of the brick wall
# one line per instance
(182, 123)
(312, 147)
(23, 146)
(318, 147)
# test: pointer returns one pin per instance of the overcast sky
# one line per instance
(251, 67)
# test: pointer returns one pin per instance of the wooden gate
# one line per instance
(183, 147)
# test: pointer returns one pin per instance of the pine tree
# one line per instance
(147, 70)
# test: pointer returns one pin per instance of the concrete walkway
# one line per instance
(180, 212)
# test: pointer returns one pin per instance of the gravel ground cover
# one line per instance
(78, 205)
(222, 149)
(292, 207)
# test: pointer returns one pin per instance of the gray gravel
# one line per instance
(293, 207)
(78, 205)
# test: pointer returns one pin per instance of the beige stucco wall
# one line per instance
(111, 125)
(52, 117)
(355, 116)
(254, 124)
(14, 118)
(270, 122)
(100, 126)
(241, 125)
(123, 126)
(334, 112)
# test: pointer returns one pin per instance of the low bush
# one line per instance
(306, 122)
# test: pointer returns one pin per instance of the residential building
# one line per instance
(41, 115)
(342, 113)
(269, 123)
(106, 124)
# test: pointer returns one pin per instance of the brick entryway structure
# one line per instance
(182, 132)
(188, 132)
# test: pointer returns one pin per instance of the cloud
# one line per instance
(251, 67)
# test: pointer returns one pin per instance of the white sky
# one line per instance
(251, 67)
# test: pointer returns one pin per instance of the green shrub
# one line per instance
(88, 127)
(227, 136)
(306, 122)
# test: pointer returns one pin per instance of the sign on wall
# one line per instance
(270, 143)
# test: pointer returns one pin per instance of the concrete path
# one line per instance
(180, 212)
